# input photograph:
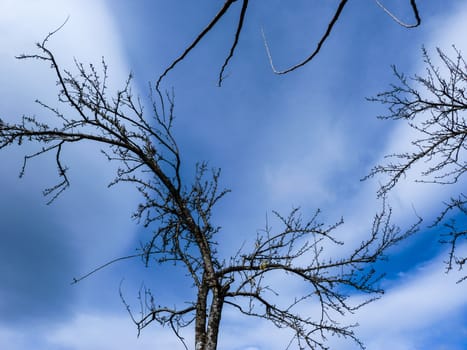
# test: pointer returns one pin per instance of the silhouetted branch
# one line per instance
(455, 235)
(235, 42)
(198, 38)
(330, 280)
(416, 14)
(323, 39)
(434, 107)
(100, 267)
(239, 27)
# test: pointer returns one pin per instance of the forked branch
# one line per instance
(239, 27)
(434, 106)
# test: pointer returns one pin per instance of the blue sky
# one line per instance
(304, 139)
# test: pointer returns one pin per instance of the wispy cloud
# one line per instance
(415, 309)
(87, 224)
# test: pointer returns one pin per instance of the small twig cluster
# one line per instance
(434, 106)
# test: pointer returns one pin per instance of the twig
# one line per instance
(397, 20)
(315, 52)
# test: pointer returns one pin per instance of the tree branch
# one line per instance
(325, 36)
(413, 4)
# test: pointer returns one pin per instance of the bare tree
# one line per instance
(434, 106)
(179, 215)
(239, 27)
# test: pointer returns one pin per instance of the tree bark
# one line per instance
(214, 319)
(201, 315)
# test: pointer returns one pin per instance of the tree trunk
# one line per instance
(214, 319)
(201, 315)
(207, 326)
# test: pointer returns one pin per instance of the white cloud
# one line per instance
(305, 168)
(411, 311)
(108, 332)
(307, 174)
(91, 331)
(445, 32)
(88, 212)
(88, 35)
(11, 340)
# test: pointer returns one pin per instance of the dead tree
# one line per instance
(239, 27)
(434, 106)
(178, 213)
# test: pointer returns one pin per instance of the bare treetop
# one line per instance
(179, 215)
